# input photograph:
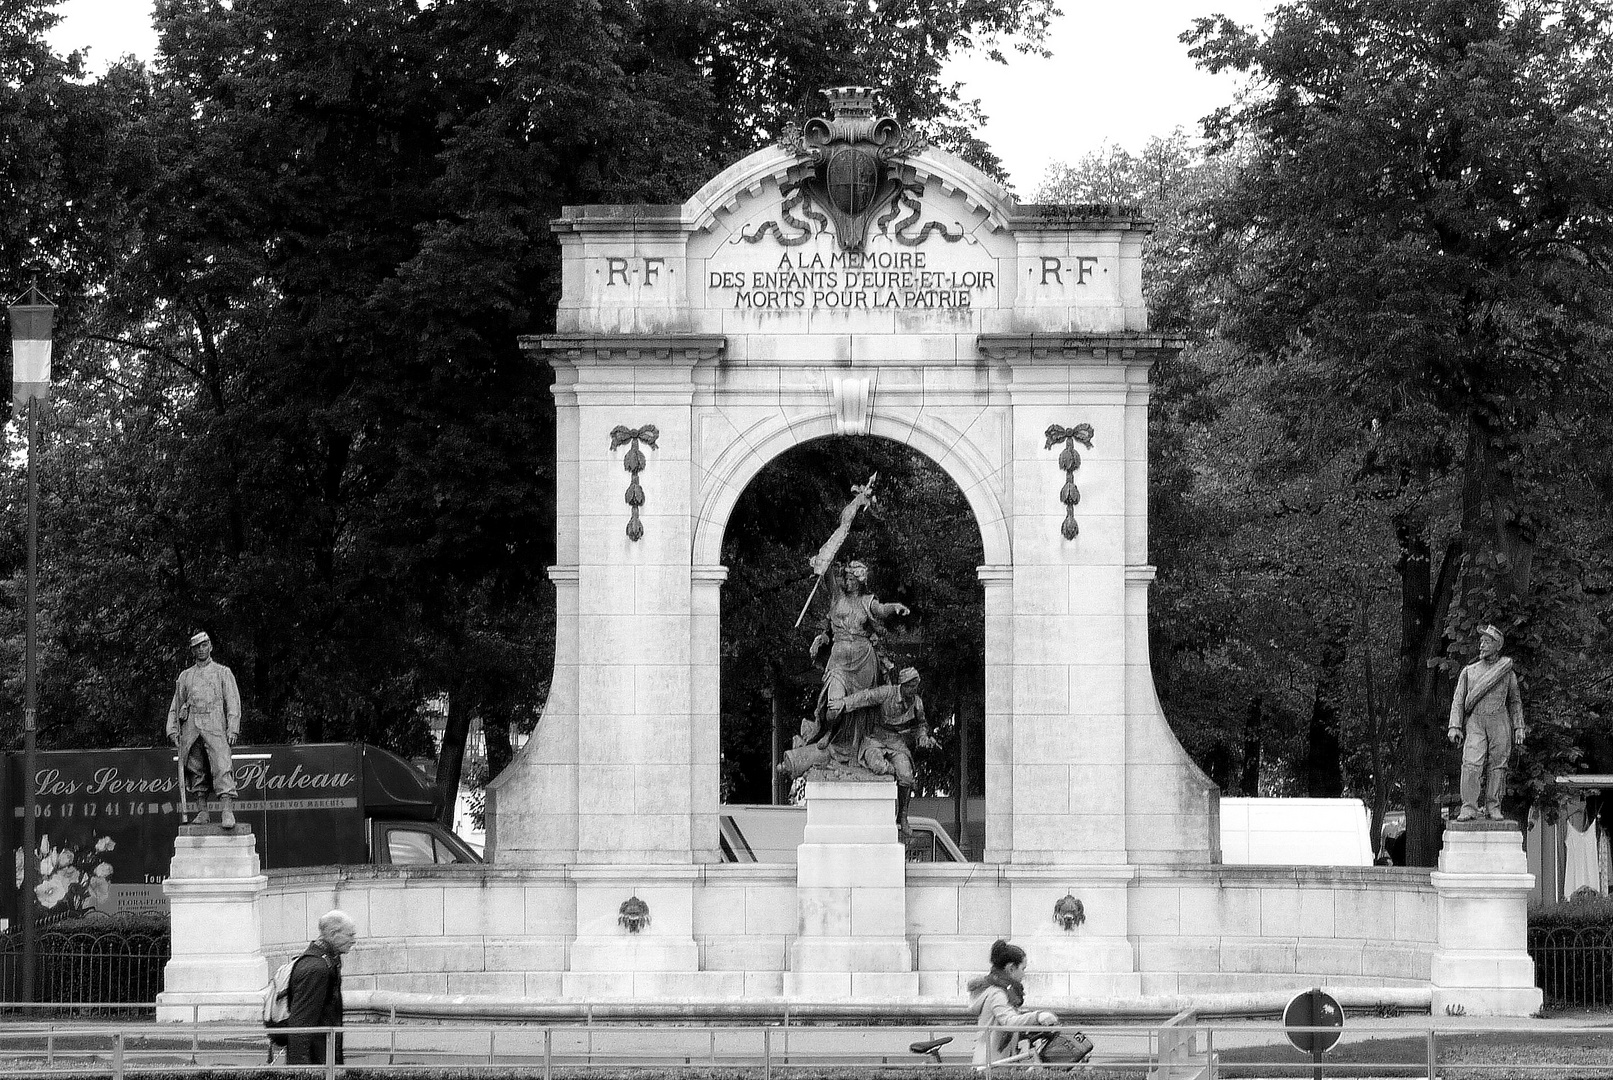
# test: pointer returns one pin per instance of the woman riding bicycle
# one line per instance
(998, 998)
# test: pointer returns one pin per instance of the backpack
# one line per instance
(277, 1002)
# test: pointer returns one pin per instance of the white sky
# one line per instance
(1117, 75)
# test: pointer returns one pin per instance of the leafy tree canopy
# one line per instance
(1415, 250)
(294, 258)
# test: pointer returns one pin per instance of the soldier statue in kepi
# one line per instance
(1486, 720)
(203, 723)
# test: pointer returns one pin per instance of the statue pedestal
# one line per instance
(1482, 962)
(851, 897)
(215, 887)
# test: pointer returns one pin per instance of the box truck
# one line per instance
(107, 819)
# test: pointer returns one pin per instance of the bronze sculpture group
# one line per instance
(869, 716)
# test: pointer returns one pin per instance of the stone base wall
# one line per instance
(1276, 927)
(1148, 931)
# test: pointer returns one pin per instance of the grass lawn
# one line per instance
(1541, 1054)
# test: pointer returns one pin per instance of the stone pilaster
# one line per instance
(998, 582)
(215, 889)
(1482, 962)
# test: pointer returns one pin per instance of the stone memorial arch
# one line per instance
(852, 281)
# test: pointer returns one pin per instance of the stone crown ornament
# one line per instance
(848, 169)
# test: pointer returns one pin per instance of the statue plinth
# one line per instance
(1482, 964)
(851, 897)
(215, 889)
(241, 829)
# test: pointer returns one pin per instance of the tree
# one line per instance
(313, 235)
(1418, 247)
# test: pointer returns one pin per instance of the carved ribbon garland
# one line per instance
(1069, 461)
(794, 198)
(906, 199)
(633, 461)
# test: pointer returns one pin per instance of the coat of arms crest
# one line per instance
(850, 170)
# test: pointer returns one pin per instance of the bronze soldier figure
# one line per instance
(204, 721)
(1486, 721)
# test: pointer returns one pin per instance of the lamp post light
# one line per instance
(32, 318)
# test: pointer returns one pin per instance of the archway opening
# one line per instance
(922, 545)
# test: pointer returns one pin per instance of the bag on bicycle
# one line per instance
(1066, 1049)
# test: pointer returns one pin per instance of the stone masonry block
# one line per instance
(481, 910)
(550, 911)
(1416, 916)
(1156, 909)
(932, 910)
(770, 909)
(1280, 913)
(414, 912)
(1241, 954)
(502, 983)
(879, 912)
(984, 909)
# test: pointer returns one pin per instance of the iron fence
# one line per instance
(1573, 965)
(1182, 1049)
(87, 969)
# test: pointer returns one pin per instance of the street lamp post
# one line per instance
(32, 318)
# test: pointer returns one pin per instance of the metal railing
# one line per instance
(1573, 965)
(1175, 1050)
(88, 972)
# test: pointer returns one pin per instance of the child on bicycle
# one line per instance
(998, 998)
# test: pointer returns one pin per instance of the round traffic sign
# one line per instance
(1313, 1009)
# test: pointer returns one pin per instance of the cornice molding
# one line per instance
(627, 348)
(1133, 348)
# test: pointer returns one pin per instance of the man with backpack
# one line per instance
(314, 991)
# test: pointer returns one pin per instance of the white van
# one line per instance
(770, 834)
(1296, 832)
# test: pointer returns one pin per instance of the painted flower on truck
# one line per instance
(72, 878)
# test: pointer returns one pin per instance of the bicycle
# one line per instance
(1030, 1049)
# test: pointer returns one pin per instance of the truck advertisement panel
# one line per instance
(107, 819)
